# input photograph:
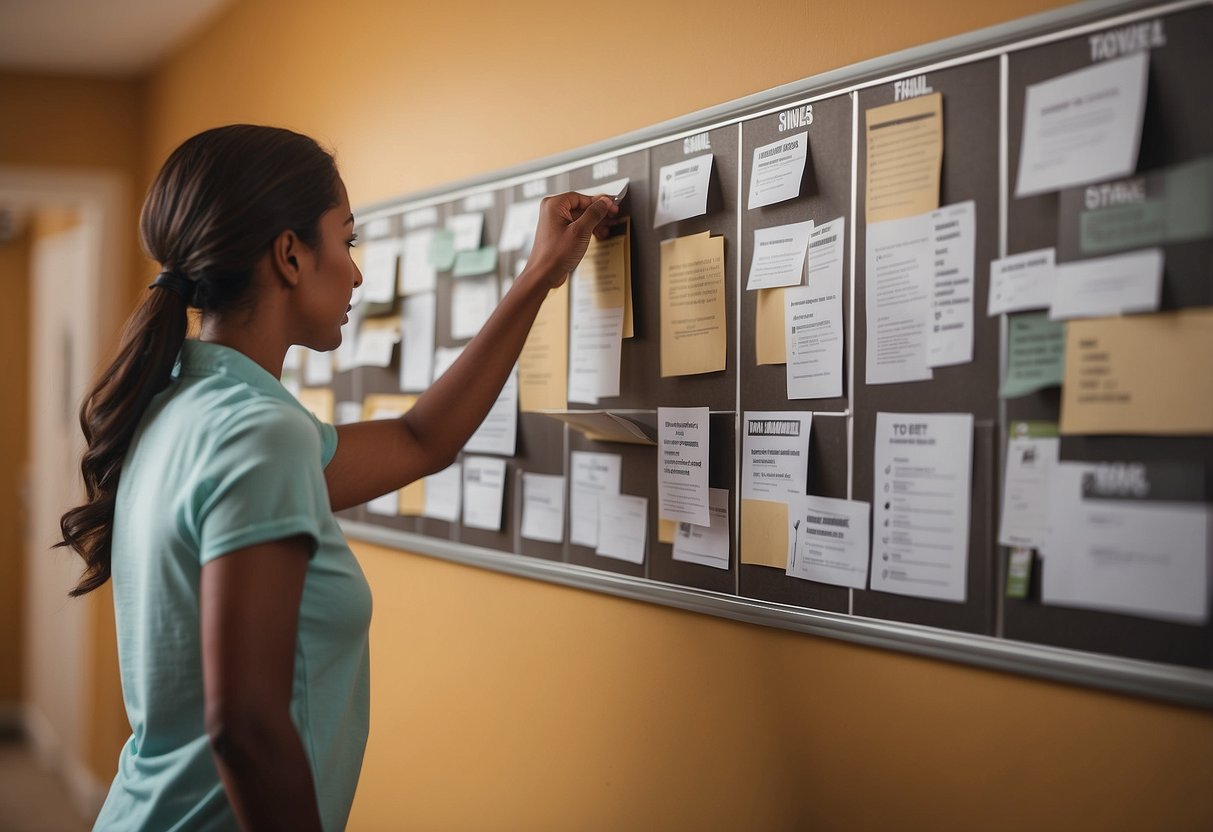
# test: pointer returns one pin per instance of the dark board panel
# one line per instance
(540, 451)
(970, 172)
(1177, 129)
(825, 194)
(827, 477)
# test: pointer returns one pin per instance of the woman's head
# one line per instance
(225, 195)
(229, 204)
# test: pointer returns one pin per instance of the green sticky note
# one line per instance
(442, 249)
(1036, 351)
(1172, 205)
(1033, 430)
(1019, 573)
(477, 261)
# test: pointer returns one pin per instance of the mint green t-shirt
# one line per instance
(226, 458)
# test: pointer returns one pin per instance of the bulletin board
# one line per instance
(983, 79)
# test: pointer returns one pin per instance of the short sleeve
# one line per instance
(328, 439)
(262, 480)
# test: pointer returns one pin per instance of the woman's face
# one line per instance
(329, 284)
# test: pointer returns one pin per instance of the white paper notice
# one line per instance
(899, 278)
(813, 320)
(595, 343)
(682, 190)
(1113, 546)
(379, 270)
(518, 230)
(467, 229)
(1025, 493)
(473, 300)
(442, 493)
(828, 540)
(417, 273)
(921, 491)
(1022, 281)
(594, 475)
(1108, 286)
(682, 436)
(375, 346)
(498, 433)
(1084, 126)
(779, 254)
(543, 507)
(417, 350)
(317, 368)
(777, 170)
(616, 189)
(483, 492)
(706, 545)
(623, 525)
(444, 357)
(950, 338)
(774, 454)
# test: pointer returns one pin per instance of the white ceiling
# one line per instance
(116, 38)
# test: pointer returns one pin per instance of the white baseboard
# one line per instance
(86, 792)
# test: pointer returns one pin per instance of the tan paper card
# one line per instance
(905, 153)
(604, 268)
(603, 426)
(399, 404)
(320, 401)
(764, 533)
(1139, 374)
(694, 331)
(770, 340)
(667, 530)
(543, 366)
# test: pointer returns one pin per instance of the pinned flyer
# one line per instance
(682, 190)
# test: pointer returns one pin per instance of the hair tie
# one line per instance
(176, 282)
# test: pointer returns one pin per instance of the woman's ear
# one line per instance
(285, 254)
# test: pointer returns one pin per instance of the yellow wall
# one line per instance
(77, 124)
(14, 439)
(507, 704)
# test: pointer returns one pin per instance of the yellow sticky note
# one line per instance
(764, 533)
(1139, 374)
(386, 403)
(904, 158)
(320, 401)
(412, 499)
(770, 340)
(667, 530)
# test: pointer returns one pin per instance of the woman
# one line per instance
(242, 615)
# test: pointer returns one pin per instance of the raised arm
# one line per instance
(378, 456)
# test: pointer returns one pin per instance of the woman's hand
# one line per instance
(563, 234)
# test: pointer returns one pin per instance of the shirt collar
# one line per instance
(202, 358)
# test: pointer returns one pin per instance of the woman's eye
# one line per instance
(352, 241)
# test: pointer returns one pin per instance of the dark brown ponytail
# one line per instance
(214, 209)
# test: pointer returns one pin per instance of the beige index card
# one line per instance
(1139, 374)
(770, 340)
(667, 530)
(543, 366)
(320, 401)
(764, 533)
(905, 154)
(694, 328)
